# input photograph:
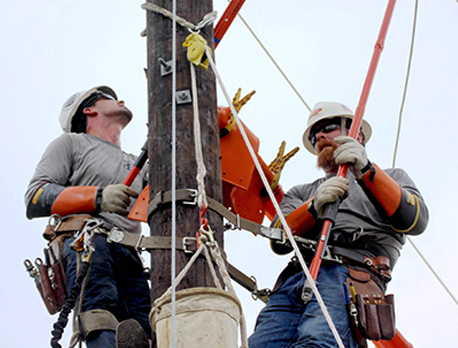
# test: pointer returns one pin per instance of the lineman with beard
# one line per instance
(379, 208)
(80, 173)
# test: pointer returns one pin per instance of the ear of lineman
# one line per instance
(82, 172)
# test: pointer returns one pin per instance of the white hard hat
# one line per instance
(72, 104)
(328, 110)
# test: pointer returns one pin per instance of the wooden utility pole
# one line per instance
(159, 38)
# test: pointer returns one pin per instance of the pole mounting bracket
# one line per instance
(183, 97)
(166, 67)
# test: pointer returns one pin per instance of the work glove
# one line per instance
(351, 152)
(329, 192)
(116, 198)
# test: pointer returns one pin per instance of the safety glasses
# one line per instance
(94, 97)
(326, 127)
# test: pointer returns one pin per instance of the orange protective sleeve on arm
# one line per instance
(383, 188)
(301, 220)
(75, 200)
(406, 213)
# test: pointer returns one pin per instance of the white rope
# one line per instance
(184, 271)
(201, 170)
(212, 269)
(211, 250)
(276, 205)
(202, 200)
(215, 253)
(207, 20)
(174, 170)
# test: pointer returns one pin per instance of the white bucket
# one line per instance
(205, 318)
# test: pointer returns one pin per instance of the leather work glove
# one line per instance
(351, 152)
(116, 198)
(329, 192)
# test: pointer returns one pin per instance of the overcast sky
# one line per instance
(53, 48)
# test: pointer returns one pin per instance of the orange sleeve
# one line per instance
(75, 200)
(384, 189)
(403, 208)
(301, 220)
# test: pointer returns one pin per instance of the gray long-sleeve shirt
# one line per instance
(358, 218)
(86, 160)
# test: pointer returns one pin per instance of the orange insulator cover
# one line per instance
(243, 189)
(236, 164)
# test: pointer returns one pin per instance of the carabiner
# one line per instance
(203, 221)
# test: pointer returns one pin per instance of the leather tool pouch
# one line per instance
(371, 312)
(49, 274)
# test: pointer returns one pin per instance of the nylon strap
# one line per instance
(188, 196)
(187, 244)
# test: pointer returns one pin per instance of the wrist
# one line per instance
(98, 200)
(312, 210)
(368, 167)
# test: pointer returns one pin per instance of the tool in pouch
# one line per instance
(49, 275)
(371, 312)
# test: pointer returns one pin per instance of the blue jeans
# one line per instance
(286, 321)
(116, 283)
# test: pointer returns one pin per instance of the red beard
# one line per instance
(325, 158)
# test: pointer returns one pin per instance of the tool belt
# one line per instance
(371, 312)
(49, 275)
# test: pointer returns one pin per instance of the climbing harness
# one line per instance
(84, 244)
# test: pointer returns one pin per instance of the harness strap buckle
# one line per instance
(329, 255)
(115, 236)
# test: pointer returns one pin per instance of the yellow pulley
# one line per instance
(196, 50)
